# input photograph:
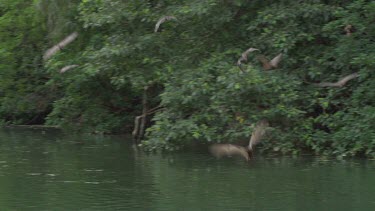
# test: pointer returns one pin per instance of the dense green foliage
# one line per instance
(21, 72)
(190, 67)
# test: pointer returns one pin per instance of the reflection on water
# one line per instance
(52, 171)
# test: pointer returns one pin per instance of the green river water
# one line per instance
(48, 170)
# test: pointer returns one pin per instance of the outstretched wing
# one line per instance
(243, 57)
(327, 84)
(221, 150)
(339, 83)
(348, 29)
(347, 78)
(239, 64)
(258, 133)
(275, 61)
(246, 53)
(52, 51)
(162, 20)
(265, 62)
(69, 67)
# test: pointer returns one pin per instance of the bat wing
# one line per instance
(69, 67)
(348, 29)
(52, 51)
(265, 62)
(339, 83)
(239, 64)
(347, 78)
(243, 57)
(221, 150)
(246, 53)
(162, 20)
(275, 61)
(327, 84)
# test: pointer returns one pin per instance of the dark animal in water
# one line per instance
(220, 150)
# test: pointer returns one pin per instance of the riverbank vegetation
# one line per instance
(186, 77)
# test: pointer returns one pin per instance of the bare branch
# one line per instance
(340, 83)
(258, 133)
(56, 48)
(144, 119)
(162, 20)
(137, 132)
(136, 127)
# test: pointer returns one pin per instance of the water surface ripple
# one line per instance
(47, 170)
